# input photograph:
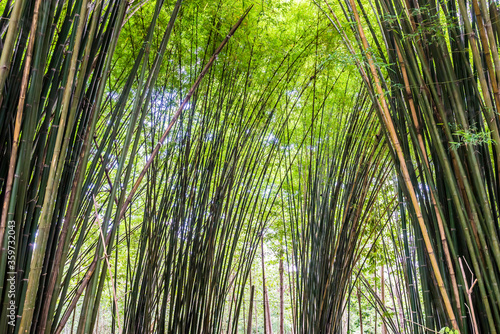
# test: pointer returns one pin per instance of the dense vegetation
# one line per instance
(249, 167)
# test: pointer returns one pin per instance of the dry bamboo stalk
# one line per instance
(469, 297)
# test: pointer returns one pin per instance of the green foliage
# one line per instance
(471, 137)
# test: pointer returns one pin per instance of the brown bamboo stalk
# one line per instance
(469, 297)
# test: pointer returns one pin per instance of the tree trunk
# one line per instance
(360, 311)
(249, 327)
(254, 303)
(294, 305)
(268, 312)
(376, 313)
(265, 300)
(382, 291)
(282, 313)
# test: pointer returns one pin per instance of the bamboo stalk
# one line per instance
(72, 213)
(179, 112)
(96, 286)
(282, 311)
(358, 294)
(106, 257)
(8, 49)
(4, 67)
(426, 162)
(93, 265)
(249, 325)
(385, 115)
(451, 180)
(41, 240)
(76, 186)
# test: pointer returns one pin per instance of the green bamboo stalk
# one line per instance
(8, 205)
(437, 209)
(488, 110)
(180, 109)
(441, 100)
(456, 198)
(477, 178)
(93, 266)
(467, 189)
(41, 240)
(4, 67)
(76, 187)
(22, 175)
(438, 143)
(121, 8)
(96, 288)
(493, 45)
(8, 49)
(62, 251)
(396, 145)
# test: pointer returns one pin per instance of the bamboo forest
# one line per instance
(249, 166)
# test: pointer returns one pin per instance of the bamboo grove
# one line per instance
(432, 70)
(150, 151)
